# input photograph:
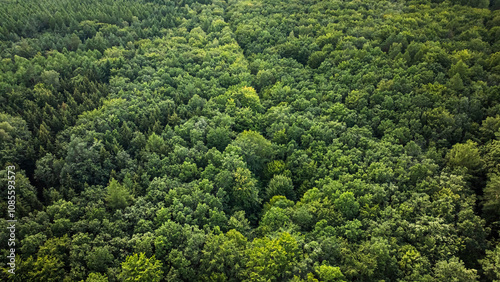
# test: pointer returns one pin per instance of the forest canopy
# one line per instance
(251, 140)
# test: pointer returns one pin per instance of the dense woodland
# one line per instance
(251, 140)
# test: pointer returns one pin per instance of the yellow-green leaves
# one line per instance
(138, 267)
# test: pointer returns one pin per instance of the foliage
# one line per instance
(207, 140)
(138, 267)
(118, 196)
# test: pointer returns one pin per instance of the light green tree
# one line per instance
(118, 197)
(465, 155)
(138, 267)
(454, 270)
(491, 264)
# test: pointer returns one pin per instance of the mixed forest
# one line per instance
(251, 140)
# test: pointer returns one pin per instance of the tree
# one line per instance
(275, 219)
(219, 138)
(223, 256)
(51, 78)
(329, 273)
(99, 259)
(245, 97)
(98, 42)
(82, 165)
(31, 244)
(45, 269)
(156, 144)
(454, 270)
(347, 204)
(272, 259)
(73, 42)
(245, 194)
(118, 197)
(465, 155)
(492, 197)
(456, 83)
(490, 127)
(491, 264)
(280, 185)
(14, 134)
(138, 267)
(256, 150)
(316, 59)
(48, 169)
(264, 78)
